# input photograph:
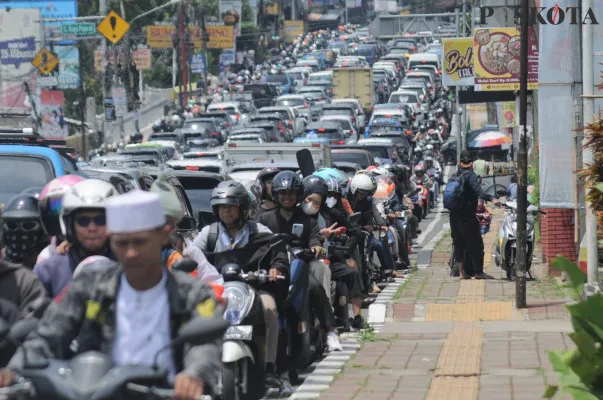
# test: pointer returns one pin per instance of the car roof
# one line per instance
(224, 104)
(323, 124)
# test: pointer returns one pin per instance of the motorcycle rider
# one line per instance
(24, 237)
(315, 192)
(439, 114)
(83, 223)
(264, 188)
(362, 188)
(403, 186)
(230, 204)
(131, 309)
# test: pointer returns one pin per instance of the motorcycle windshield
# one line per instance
(251, 257)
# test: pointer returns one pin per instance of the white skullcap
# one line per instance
(135, 211)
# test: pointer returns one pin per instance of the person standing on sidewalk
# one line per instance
(480, 166)
(461, 198)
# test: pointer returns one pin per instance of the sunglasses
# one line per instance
(84, 221)
(27, 226)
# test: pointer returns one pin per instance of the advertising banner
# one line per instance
(227, 57)
(231, 12)
(458, 62)
(197, 63)
(292, 30)
(142, 59)
(120, 101)
(496, 58)
(19, 38)
(49, 9)
(220, 36)
(508, 113)
(69, 64)
(51, 114)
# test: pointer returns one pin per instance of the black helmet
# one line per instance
(266, 173)
(230, 192)
(22, 206)
(22, 226)
(286, 180)
(34, 191)
(315, 184)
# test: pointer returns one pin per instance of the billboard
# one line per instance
(458, 62)
(220, 36)
(69, 64)
(19, 38)
(231, 14)
(51, 114)
(292, 30)
(496, 59)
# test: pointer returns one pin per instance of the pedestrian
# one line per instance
(461, 199)
(480, 166)
(512, 188)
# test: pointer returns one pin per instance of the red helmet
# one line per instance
(420, 168)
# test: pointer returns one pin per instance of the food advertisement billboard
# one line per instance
(458, 62)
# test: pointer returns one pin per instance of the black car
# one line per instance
(264, 94)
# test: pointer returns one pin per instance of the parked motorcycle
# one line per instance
(506, 243)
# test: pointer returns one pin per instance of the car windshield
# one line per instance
(20, 173)
(337, 111)
(319, 78)
(361, 159)
(198, 190)
(313, 95)
(281, 113)
(378, 152)
(344, 123)
(384, 130)
(417, 79)
(398, 51)
(277, 78)
(290, 102)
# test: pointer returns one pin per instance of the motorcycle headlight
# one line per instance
(238, 303)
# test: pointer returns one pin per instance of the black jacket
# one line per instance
(277, 224)
(19, 286)
(472, 192)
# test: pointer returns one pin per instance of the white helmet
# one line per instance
(93, 263)
(429, 147)
(380, 171)
(364, 183)
(87, 194)
(176, 118)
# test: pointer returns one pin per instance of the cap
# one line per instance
(135, 211)
(168, 197)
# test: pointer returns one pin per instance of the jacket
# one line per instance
(85, 312)
(472, 191)
(277, 224)
(372, 215)
(56, 271)
(19, 286)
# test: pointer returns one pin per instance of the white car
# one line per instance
(199, 164)
(296, 125)
(360, 117)
(232, 109)
(324, 76)
(346, 126)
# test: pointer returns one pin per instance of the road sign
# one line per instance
(45, 61)
(83, 29)
(197, 63)
(47, 81)
(113, 27)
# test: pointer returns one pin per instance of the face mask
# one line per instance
(331, 201)
(309, 209)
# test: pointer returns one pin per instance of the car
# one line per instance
(310, 63)
(283, 79)
(247, 172)
(316, 56)
(222, 118)
(360, 117)
(317, 97)
(275, 119)
(172, 148)
(271, 127)
(231, 108)
(421, 76)
(382, 149)
(256, 135)
(339, 47)
(411, 98)
(368, 51)
(358, 156)
(323, 76)
(294, 125)
(424, 58)
(298, 102)
(300, 77)
(206, 164)
(389, 128)
(264, 94)
(208, 125)
(381, 87)
(346, 124)
(165, 136)
(138, 148)
(341, 109)
(323, 132)
(28, 160)
(325, 85)
(124, 178)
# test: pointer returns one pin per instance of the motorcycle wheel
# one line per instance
(231, 375)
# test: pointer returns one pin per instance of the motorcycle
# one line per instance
(92, 375)
(424, 197)
(506, 244)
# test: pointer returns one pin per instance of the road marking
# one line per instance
(431, 225)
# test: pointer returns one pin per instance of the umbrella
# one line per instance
(489, 139)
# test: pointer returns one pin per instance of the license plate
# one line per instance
(239, 332)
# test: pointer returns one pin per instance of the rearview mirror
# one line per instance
(185, 265)
(187, 224)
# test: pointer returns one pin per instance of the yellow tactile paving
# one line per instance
(497, 310)
(459, 388)
(460, 354)
(471, 291)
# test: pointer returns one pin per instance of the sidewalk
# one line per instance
(460, 340)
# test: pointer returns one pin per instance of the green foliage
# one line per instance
(580, 371)
(534, 179)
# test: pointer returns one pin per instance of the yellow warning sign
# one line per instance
(45, 61)
(113, 27)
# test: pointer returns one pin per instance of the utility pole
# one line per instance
(522, 164)
(457, 108)
(204, 39)
(464, 116)
(183, 56)
(588, 156)
(102, 8)
(82, 108)
(33, 105)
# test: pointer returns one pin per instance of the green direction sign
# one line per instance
(83, 29)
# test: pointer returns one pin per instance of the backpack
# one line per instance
(454, 193)
(212, 237)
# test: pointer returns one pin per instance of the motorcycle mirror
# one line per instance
(187, 224)
(355, 218)
(185, 265)
(414, 192)
(199, 331)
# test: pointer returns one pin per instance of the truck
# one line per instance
(245, 153)
(355, 83)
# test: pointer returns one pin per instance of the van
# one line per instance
(424, 58)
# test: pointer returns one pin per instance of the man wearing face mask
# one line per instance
(329, 219)
(287, 191)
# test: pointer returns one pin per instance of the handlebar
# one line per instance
(21, 388)
(261, 276)
(157, 392)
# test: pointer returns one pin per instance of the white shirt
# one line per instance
(143, 326)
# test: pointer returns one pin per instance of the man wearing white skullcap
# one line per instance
(137, 302)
